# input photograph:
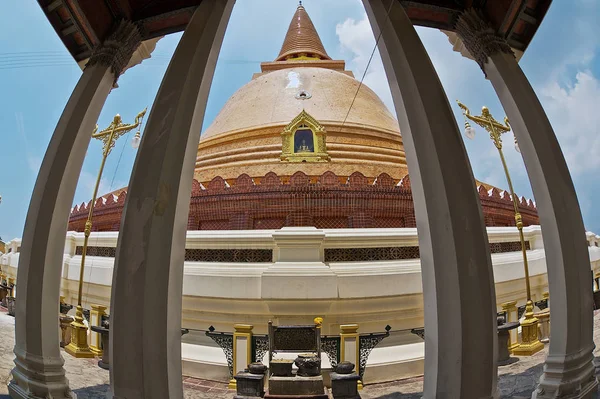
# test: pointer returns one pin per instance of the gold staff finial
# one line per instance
(318, 322)
(530, 343)
(79, 346)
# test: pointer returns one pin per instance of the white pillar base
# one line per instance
(16, 392)
(39, 378)
(568, 377)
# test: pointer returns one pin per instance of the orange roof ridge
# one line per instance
(302, 38)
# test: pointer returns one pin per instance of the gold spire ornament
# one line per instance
(79, 346)
(530, 343)
(302, 42)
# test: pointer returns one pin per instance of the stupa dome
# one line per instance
(356, 131)
(246, 136)
(275, 98)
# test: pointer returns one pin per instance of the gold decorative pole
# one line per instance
(530, 343)
(79, 345)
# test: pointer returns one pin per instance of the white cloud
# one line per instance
(356, 37)
(571, 108)
(560, 65)
(573, 111)
(33, 161)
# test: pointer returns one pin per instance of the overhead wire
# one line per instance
(368, 64)
(33, 59)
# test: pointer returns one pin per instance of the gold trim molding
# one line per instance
(304, 120)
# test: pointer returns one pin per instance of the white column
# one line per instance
(568, 371)
(511, 315)
(458, 289)
(39, 371)
(95, 342)
(568, 368)
(242, 350)
(349, 350)
(145, 335)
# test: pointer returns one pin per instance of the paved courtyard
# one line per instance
(516, 380)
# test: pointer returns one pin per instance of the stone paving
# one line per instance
(88, 381)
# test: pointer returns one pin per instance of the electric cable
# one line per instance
(367, 68)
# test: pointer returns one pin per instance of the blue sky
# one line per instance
(37, 76)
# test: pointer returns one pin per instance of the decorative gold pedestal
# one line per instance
(530, 343)
(79, 347)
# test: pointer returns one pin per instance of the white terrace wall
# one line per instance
(298, 283)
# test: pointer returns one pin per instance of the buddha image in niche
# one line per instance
(303, 141)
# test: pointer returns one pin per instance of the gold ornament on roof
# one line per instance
(303, 152)
(302, 42)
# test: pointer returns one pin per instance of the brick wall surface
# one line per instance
(327, 201)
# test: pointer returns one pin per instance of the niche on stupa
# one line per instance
(304, 140)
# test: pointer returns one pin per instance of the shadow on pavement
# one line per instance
(95, 392)
(516, 385)
(511, 385)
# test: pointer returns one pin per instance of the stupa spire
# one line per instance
(302, 39)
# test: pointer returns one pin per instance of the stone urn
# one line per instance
(281, 367)
(309, 365)
(64, 308)
(10, 304)
(257, 368)
(65, 329)
(3, 294)
(344, 367)
(344, 382)
(503, 337)
(103, 330)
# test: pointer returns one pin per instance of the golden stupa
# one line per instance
(250, 133)
(302, 144)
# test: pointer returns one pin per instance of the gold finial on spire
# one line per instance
(302, 40)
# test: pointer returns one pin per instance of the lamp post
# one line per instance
(530, 343)
(79, 346)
